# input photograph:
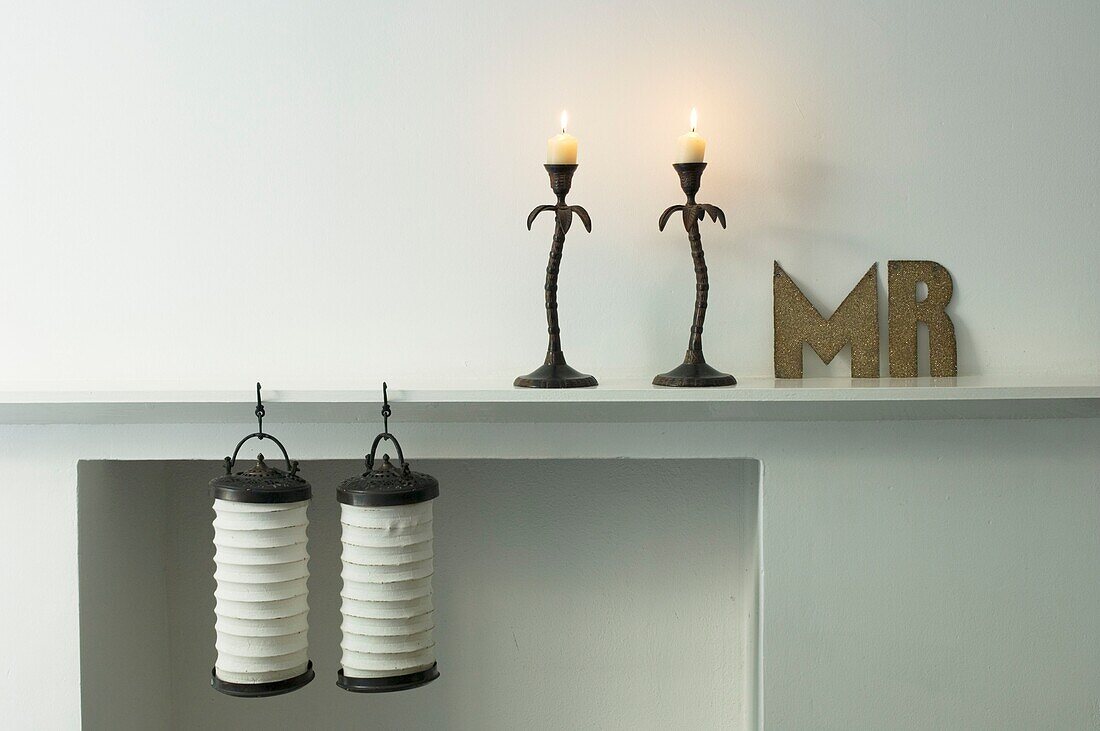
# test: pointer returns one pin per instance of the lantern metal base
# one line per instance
(694, 375)
(387, 685)
(261, 690)
(555, 375)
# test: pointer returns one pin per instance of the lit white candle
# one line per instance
(562, 149)
(691, 147)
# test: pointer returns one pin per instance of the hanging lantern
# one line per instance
(386, 532)
(261, 570)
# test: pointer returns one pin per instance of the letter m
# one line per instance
(798, 321)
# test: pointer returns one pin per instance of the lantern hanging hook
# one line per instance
(260, 412)
(386, 410)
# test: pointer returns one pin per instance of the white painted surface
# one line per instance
(345, 184)
(811, 399)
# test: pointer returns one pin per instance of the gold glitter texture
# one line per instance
(798, 321)
(906, 312)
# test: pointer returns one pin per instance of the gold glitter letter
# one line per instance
(906, 311)
(798, 321)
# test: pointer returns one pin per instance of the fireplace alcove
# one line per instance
(569, 593)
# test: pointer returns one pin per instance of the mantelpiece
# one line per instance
(974, 491)
(630, 400)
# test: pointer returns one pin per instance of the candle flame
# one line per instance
(694, 118)
(564, 120)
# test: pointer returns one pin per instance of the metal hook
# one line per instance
(386, 410)
(260, 411)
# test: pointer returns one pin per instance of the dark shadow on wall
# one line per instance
(569, 593)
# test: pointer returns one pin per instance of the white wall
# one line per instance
(370, 165)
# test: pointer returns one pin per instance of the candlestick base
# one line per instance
(694, 375)
(555, 375)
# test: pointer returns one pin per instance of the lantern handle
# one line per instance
(291, 465)
(389, 438)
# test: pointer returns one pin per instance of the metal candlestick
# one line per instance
(694, 371)
(555, 372)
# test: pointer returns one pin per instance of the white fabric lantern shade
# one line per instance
(261, 627)
(388, 618)
(386, 601)
(261, 561)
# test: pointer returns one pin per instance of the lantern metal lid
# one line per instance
(385, 483)
(261, 483)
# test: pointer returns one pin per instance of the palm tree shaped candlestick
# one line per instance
(555, 372)
(694, 371)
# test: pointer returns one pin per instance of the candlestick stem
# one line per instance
(702, 288)
(554, 356)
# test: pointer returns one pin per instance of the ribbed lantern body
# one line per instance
(387, 596)
(261, 566)
(388, 614)
(261, 558)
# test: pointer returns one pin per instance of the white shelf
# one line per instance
(754, 399)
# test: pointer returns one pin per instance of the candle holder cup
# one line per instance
(555, 372)
(695, 371)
